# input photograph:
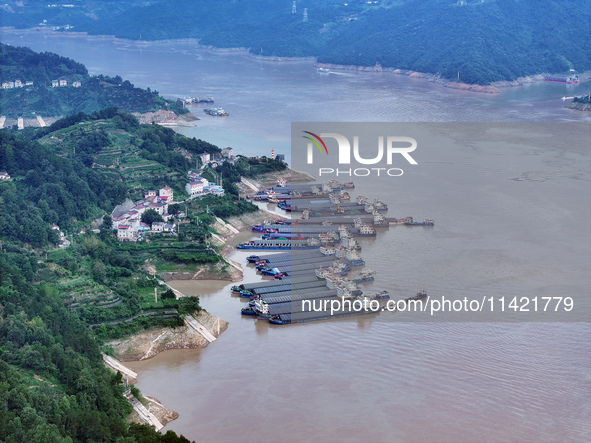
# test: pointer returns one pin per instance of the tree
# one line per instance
(174, 209)
(168, 294)
(151, 216)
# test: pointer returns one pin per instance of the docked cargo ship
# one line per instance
(420, 295)
(570, 80)
(216, 112)
(427, 222)
(195, 100)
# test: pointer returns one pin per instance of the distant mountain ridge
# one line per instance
(482, 40)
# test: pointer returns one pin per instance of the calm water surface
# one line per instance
(509, 223)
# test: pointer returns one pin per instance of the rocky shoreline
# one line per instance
(150, 343)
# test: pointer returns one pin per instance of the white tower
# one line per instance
(305, 14)
(293, 7)
(272, 154)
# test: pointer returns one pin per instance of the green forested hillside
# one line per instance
(49, 189)
(53, 384)
(27, 13)
(95, 93)
(483, 40)
(57, 305)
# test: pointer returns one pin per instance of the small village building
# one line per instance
(63, 82)
(125, 232)
(76, 84)
(4, 175)
(18, 84)
(160, 208)
(55, 83)
(194, 187)
(228, 152)
(166, 194)
(158, 226)
(216, 190)
(205, 158)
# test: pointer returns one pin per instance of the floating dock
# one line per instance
(330, 221)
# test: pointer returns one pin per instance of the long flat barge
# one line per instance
(268, 284)
(297, 260)
(300, 255)
(302, 317)
(271, 299)
(288, 287)
(277, 245)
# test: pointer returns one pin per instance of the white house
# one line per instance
(55, 83)
(205, 158)
(158, 226)
(160, 208)
(216, 190)
(76, 84)
(63, 82)
(126, 232)
(4, 175)
(18, 84)
(166, 194)
(194, 187)
(227, 152)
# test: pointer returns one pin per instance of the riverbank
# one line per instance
(434, 78)
(494, 88)
(150, 343)
(225, 230)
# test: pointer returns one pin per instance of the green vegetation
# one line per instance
(94, 94)
(53, 384)
(116, 145)
(58, 305)
(49, 189)
(483, 40)
(24, 14)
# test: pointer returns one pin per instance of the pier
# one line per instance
(313, 285)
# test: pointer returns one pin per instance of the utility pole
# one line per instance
(155, 295)
(305, 19)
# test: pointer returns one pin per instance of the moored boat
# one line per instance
(420, 295)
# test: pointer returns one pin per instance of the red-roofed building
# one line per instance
(125, 232)
(166, 192)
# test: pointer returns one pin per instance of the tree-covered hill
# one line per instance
(27, 13)
(54, 386)
(48, 189)
(483, 40)
(93, 94)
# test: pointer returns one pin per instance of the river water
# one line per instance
(511, 222)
